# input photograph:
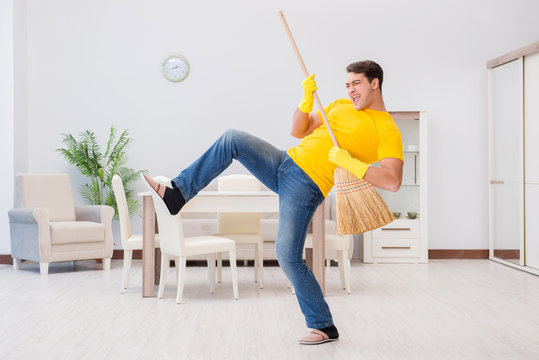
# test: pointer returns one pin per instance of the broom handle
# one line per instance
(306, 73)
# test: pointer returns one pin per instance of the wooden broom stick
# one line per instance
(359, 207)
(306, 73)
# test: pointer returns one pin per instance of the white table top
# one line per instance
(221, 201)
(224, 193)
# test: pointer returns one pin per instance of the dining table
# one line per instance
(220, 201)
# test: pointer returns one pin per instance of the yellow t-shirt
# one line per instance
(368, 135)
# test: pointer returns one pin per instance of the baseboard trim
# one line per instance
(458, 254)
(6, 260)
(433, 254)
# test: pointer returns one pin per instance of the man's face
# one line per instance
(359, 89)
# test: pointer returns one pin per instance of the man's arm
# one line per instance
(304, 123)
(388, 177)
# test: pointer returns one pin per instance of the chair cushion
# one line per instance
(253, 238)
(207, 244)
(50, 191)
(333, 242)
(134, 242)
(68, 232)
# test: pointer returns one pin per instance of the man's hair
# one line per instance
(369, 68)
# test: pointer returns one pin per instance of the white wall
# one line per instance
(6, 119)
(20, 68)
(94, 64)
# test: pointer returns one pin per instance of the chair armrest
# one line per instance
(30, 234)
(101, 214)
(25, 215)
(96, 213)
(39, 216)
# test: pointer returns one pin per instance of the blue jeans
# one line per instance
(299, 197)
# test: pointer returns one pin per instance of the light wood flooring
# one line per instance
(447, 309)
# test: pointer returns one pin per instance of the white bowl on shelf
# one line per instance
(412, 148)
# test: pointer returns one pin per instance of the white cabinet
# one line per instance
(514, 158)
(405, 239)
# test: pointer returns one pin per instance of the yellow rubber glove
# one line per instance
(306, 103)
(342, 158)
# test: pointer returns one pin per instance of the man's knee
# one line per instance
(289, 263)
(232, 133)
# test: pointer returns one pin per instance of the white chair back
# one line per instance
(50, 191)
(239, 223)
(171, 237)
(123, 210)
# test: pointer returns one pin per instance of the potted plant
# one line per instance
(85, 153)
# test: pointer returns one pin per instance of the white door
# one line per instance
(506, 171)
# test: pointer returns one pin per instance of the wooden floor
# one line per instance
(448, 309)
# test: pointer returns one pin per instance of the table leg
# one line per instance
(148, 247)
(316, 256)
(157, 259)
(157, 270)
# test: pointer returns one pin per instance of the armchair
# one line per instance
(48, 227)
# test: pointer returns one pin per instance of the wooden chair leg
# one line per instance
(260, 264)
(128, 256)
(347, 269)
(234, 271)
(163, 275)
(341, 267)
(43, 268)
(181, 280)
(177, 267)
(220, 267)
(211, 271)
(256, 263)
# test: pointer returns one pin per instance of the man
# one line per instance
(303, 175)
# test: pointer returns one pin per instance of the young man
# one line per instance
(303, 175)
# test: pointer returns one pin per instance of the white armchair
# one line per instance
(48, 227)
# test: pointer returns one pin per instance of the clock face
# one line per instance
(175, 68)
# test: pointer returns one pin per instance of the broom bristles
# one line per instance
(359, 207)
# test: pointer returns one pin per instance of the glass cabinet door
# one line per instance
(506, 167)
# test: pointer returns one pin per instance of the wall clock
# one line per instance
(175, 68)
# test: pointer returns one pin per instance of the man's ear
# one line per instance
(375, 83)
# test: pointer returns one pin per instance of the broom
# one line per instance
(359, 207)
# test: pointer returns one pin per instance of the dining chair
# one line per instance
(343, 245)
(243, 228)
(175, 246)
(129, 240)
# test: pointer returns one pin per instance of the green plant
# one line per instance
(86, 155)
